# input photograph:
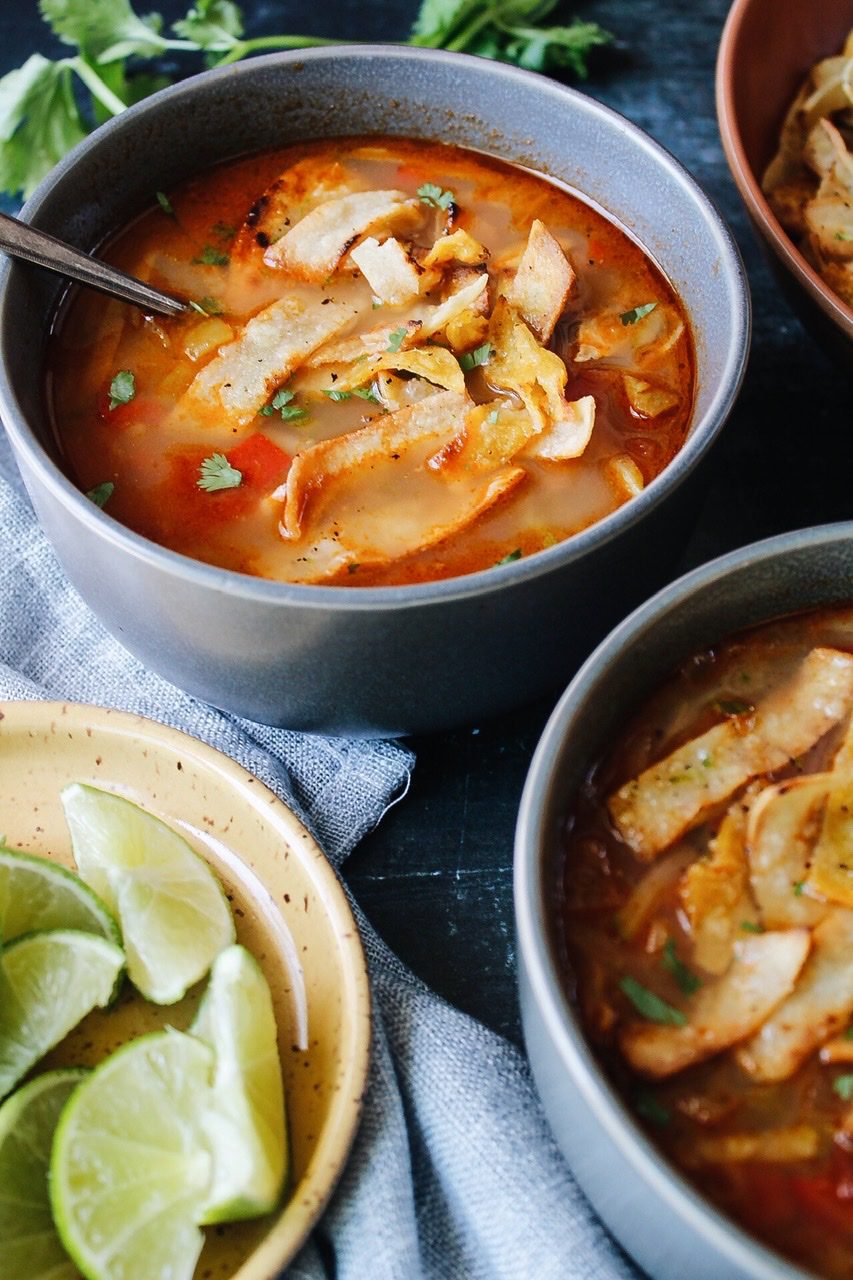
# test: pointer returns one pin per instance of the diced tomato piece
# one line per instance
(263, 464)
(136, 410)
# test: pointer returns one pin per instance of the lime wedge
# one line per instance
(37, 894)
(29, 1245)
(245, 1126)
(48, 982)
(129, 1170)
(174, 916)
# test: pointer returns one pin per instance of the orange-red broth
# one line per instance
(155, 471)
(802, 1208)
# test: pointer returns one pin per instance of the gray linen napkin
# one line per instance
(454, 1174)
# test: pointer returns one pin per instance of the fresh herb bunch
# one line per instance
(46, 106)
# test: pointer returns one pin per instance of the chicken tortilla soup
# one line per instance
(707, 900)
(402, 361)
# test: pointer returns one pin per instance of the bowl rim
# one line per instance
(702, 433)
(298, 1214)
(533, 926)
(749, 186)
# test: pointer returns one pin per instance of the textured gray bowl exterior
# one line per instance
(666, 1225)
(381, 660)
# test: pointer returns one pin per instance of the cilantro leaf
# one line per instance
(685, 978)
(843, 1086)
(637, 313)
(480, 355)
(333, 394)
(101, 493)
(509, 558)
(216, 473)
(207, 306)
(750, 926)
(395, 339)
(104, 30)
(649, 1108)
(165, 203)
(211, 24)
(433, 195)
(650, 1006)
(39, 122)
(210, 256)
(365, 393)
(122, 388)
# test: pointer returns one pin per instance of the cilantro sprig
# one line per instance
(49, 105)
(216, 473)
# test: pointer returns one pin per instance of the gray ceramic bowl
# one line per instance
(394, 659)
(668, 1227)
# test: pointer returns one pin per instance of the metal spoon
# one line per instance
(23, 241)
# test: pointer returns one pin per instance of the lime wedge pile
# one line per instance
(116, 1168)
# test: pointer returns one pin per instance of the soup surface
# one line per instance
(707, 900)
(403, 361)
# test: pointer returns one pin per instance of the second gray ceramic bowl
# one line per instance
(668, 1227)
(395, 659)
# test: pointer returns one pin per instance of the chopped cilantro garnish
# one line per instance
(686, 979)
(353, 566)
(216, 473)
(395, 339)
(210, 256)
(480, 355)
(430, 194)
(750, 926)
(650, 1006)
(648, 1108)
(281, 401)
(637, 313)
(843, 1086)
(207, 306)
(848, 1034)
(798, 888)
(223, 231)
(732, 706)
(122, 388)
(101, 493)
(334, 394)
(165, 203)
(365, 393)
(510, 557)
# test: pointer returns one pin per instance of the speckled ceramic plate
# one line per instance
(279, 883)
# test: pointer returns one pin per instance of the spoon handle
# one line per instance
(23, 241)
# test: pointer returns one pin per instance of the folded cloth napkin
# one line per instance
(454, 1174)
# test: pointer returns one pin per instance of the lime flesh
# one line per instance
(36, 893)
(29, 1246)
(173, 913)
(49, 981)
(130, 1171)
(245, 1126)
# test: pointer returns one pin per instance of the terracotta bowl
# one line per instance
(765, 54)
(285, 895)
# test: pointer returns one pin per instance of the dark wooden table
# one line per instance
(436, 876)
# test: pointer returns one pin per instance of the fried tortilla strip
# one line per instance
(608, 336)
(715, 895)
(783, 824)
(388, 456)
(674, 794)
(241, 377)
(538, 377)
(457, 246)
(436, 364)
(287, 199)
(437, 318)
(647, 400)
(567, 437)
(831, 872)
(389, 270)
(817, 1009)
(761, 975)
(543, 282)
(312, 249)
(796, 1142)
